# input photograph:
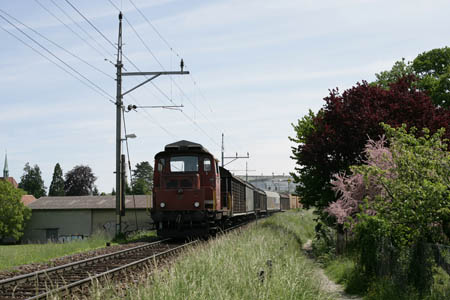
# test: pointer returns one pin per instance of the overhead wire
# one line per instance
(172, 49)
(82, 29)
(148, 116)
(57, 45)
(135, 66)
(159, 89)
(69, 28)
(90, 23)
(92, 85)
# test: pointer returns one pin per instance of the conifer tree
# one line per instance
(57, 185)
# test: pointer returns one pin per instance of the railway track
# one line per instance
(74, 277)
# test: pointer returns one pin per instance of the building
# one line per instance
(77, 217)
(6, 174)
(26, 199)
(274, 183)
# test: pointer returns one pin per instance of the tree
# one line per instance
(79, 181)
(340, 131)
(142, 178)
(404, 192)
(31, 181)
(399, 70)
(95, 191)
(432, 75)
(13, 214)
(57, 184)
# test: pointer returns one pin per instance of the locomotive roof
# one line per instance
(183, 146)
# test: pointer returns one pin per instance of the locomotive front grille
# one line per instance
(172, 183)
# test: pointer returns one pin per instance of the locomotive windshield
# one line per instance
(184, 164)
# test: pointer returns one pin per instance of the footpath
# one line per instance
(327, 284)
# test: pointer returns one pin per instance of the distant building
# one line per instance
(77, 217)
(6, 174)
(26, 199)
(274, 183)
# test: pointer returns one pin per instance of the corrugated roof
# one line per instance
(89, 202)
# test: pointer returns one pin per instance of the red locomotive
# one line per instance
(193, 196)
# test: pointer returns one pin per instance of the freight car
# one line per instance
(284, 202)
(193, 196)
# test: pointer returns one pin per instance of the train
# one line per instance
(193, 196)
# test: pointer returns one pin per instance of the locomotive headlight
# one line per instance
(162, 204)
(196, 204)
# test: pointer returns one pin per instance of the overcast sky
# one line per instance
(257, 67)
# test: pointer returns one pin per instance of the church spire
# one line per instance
(5, 169)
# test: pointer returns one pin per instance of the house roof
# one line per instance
(89, 202)
(27, 199)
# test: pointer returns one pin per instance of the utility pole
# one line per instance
(119, 66)
(223, 150)
(119, 107)
(233, 158)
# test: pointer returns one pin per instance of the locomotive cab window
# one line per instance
(161, 163)
(184, 164)
(206, 165)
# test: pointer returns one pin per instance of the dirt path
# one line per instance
(327, 284)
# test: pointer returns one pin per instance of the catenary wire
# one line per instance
(57, 45)
(53, 62)
(104, 37)
(172, 49)
(55, 56)
(159, 89)
(90, 23)
(134, 65)
(82, 29)
(69, 28)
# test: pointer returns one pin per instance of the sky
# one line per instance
(255, 67)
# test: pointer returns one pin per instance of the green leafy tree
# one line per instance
(431, 70)
(415, 189)
(334, 139)
(79, 181)
(31, 181)
(142, 178)
(57, 184)
(399, 70)
(13, 214)
(411, 209)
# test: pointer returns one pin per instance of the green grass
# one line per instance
(229, 267)
(343, 270)
(15, 255)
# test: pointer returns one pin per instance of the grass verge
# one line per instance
(16, 255)
(264, 261)
(343, 270)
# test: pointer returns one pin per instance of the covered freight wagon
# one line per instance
(273, 201)
(284, 202)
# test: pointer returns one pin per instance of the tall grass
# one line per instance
(265, 261)
(15, 255)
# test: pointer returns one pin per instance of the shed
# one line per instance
(77, 217)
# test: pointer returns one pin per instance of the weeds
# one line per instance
(264, 261)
